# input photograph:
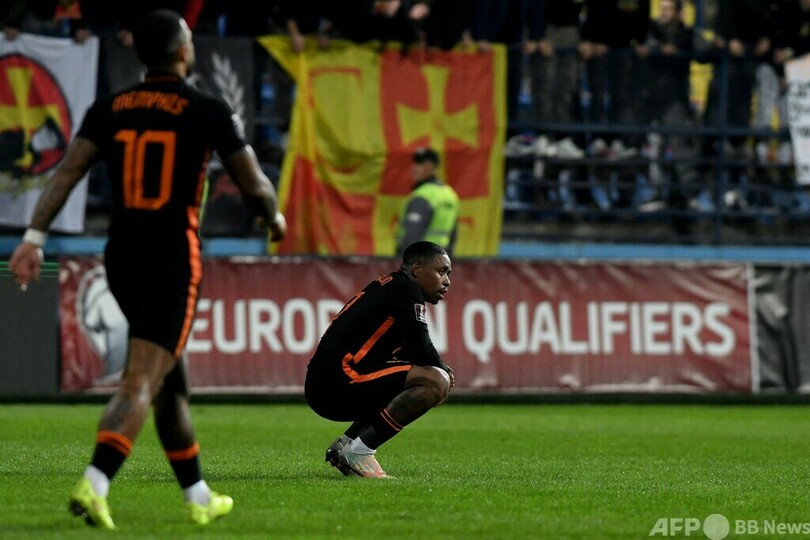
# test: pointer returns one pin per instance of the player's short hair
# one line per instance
(158, 36)
(421, 251)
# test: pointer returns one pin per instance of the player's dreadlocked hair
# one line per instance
(421, 251)
(158, 37)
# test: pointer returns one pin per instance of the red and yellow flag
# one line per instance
(359, 114)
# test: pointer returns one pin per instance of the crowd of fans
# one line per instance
(624, 69)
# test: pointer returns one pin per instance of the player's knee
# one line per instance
(137, 386)
(141, 384)
(440, 382)
(433, 382)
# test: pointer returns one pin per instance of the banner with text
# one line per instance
(46, 85)
(798, 112)
(544, 328)
(359, 114)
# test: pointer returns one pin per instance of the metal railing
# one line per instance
(714, 193)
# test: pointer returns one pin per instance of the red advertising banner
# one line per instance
(504, 326)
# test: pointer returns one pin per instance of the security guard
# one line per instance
(431, 211)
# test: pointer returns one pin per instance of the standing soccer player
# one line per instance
(156, 139)
(376, 366)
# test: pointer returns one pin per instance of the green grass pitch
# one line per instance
(462, 471)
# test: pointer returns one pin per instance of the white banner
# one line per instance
(798, 107)
(46, 85)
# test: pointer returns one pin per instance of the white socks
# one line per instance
(99, 480)
(359, 447)
(198, 493)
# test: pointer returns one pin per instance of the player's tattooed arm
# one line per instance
(81, 154)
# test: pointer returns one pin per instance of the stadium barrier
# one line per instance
(29, 336)
(507, 326)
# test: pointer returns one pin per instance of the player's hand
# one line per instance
(452, 377)
(298, 42)
(82, 35)
(25, 264)
(277, 229)
(449, 371)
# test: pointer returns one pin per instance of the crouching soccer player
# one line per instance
(376, 366)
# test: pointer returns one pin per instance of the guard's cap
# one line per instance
(422, 155)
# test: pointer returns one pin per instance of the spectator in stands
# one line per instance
(516, 23)
(431, 211)
(554, 64)
(99, 18)
(102, 18)
(740, 42)
(383, 20)
(43, 17)
(793, 40)
(133, 11)
(253, 18)
(789, 32)
(610, 33)
(448, 23)
(211, 21)
(352, 20)
(741, 39)
(304, 17)
(669, 45)
(790, 36)
(770, 110)
(768, 90)
(298, 18)
(790, 39)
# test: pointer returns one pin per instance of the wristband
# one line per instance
(35, 237)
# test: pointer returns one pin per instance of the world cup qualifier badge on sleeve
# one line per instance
(421, 314)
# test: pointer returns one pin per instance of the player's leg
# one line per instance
(424, 388)
(176, 433)
(156, 303)
(325, 391)
(122, 420)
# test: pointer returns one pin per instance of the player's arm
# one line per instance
(257, 190)
(424, 349)
(27, 258)
(417, 348)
